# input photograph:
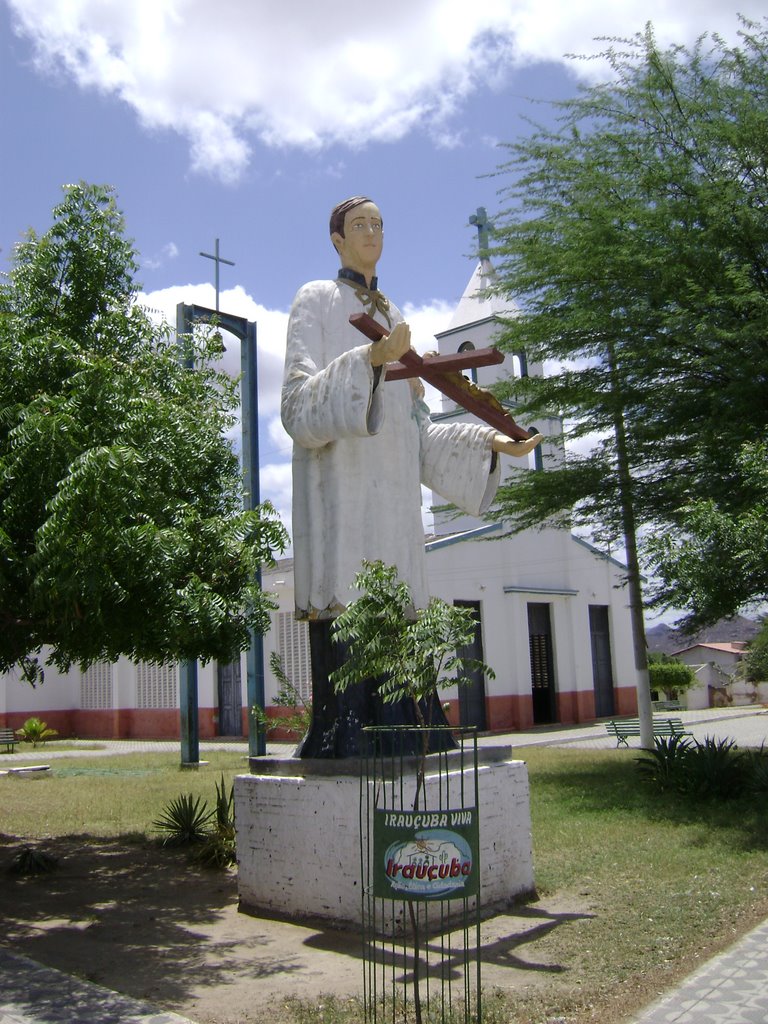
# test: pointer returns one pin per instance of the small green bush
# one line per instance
(714, 769)
(188, 821)
(755, 767)
(664, 766)
(288, 696)
(29, 861)
(34, 731)
(184, 821)
(218, 849)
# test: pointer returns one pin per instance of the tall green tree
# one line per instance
(756, 657)
(719, 562)
(670, 676)
(122, 530)
(634, 241)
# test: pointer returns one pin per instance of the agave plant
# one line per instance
(184, 821)
(715, 768)
(225, 805)
(218, 849)
(664, 767)
(755, 765)
(29, 861)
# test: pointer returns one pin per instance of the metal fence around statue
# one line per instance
(419, 829)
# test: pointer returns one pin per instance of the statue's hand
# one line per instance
(507, 446)
(392, 347)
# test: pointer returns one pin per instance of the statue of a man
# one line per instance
(362, 448)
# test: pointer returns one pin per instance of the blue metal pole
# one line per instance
(257, 742)
(188, 709)
(189, 725)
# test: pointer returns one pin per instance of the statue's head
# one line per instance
(357, 233)
(339, 213)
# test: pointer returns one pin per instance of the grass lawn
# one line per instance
(662, 882)
(668, 881)
(107, 796)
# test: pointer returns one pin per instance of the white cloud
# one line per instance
(168, 252)
(306, 74)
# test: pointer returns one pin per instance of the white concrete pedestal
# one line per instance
(299, 830)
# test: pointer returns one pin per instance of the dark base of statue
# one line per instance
(338, 719)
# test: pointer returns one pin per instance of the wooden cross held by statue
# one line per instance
(443, 373)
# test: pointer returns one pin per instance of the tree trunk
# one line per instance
(629, 529)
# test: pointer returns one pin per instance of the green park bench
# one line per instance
(8, 739)
(667, 705)
(623, 728)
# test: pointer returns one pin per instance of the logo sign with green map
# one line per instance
(426, 855)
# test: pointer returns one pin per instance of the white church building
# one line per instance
(552, 620)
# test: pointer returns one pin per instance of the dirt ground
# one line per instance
(145, 922)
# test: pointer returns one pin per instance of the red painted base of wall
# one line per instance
(514, 713)
(575, 706)
(625, 699)
(279, 733)
(509, 713)
(117, 724)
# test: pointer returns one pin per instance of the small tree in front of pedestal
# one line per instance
(414, 653)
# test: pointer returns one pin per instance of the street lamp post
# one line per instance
(245, 331)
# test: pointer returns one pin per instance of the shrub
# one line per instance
(34, 731)
(288, 696)
(714, 768)
(664, 766)
(708, 770)
(184, 821)
(188, 821)
(218, 849)
(755, 767)
(29, 861)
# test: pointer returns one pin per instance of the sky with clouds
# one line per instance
(246, 121)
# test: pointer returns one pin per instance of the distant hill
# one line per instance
(666, 639)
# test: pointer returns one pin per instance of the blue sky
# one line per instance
(247, 121)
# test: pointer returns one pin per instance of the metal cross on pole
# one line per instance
(217, 260)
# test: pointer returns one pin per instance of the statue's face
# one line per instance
(363, 240)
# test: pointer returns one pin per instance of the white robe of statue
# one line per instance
(361, 451)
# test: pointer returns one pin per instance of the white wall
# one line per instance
(549, 567)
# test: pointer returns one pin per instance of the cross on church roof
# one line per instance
(481, 222)
(217, 260)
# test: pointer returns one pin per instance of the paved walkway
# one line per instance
(33, 994)
(748, 726)
(732, 988)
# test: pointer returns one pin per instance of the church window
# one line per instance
(96, 686)
(538, 458)
(467, 346)
(293, 650)
(157, 686)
